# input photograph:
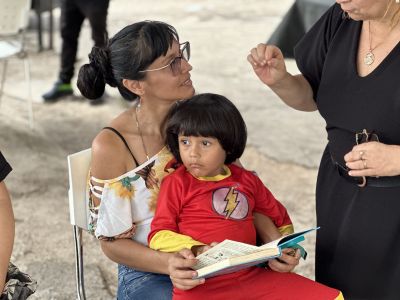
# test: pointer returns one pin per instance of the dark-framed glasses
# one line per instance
(364, 136)
(176, 63)
(361, 137)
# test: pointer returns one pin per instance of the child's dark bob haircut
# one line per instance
(208, 115)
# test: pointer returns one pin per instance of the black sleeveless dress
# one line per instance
(358, 245)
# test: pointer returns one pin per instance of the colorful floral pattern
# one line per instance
(129, 200)
(124, 188)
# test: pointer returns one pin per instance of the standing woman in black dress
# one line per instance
(350, 72)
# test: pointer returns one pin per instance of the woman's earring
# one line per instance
(345, 15)
(397, 1)
(139, 104)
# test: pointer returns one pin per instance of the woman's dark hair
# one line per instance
(131, 50)
(208, 115)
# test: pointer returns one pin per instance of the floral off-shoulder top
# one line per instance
(128, 202)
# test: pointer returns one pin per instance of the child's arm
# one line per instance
(270, 219)
(267, 205)
(266, 229)
(164, 235)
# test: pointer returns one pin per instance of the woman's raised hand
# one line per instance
(268, 63)
(179, 270)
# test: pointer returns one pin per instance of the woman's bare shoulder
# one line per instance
(109, 153)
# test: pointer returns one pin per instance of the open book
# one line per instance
(230, 256)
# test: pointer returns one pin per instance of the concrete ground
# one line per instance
(284, 145)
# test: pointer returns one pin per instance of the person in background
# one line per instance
(14, 284)
(7, 225)
(350, 69)
(73, 13)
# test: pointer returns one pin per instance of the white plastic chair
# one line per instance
(78, 170)
(14, 17)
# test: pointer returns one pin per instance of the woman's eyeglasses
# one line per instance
(361, 137)
(176, 63)
(365, 136)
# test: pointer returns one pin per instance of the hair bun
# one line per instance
(99, 59)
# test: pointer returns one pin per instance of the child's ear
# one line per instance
(135, 86)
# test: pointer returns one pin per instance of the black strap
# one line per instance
(124, 141)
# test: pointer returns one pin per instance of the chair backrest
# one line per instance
(14, 16)
(78, 170)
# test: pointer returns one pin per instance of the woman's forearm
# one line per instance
(7, 229)
(136, 255)
(296, 92)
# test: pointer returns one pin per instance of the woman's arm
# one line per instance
(110, 159)
(136, 255)
(269, 65)
(7, 230)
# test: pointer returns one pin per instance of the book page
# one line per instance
(223, 250)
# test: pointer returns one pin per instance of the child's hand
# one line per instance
(287, 262)
(180, 272)
(197, 250)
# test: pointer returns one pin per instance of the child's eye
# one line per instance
(184, 142)
(206, 143)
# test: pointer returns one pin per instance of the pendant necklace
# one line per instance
(140, 131)
(369, 58)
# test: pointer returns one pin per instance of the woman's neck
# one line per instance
(151, 115)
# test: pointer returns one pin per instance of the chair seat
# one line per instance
(9, 48)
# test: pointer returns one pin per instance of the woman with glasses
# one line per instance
(148, 65)
(350, 72)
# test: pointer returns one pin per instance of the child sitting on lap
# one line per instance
(209, 199)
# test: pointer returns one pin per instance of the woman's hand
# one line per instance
(289, 259)
(373, 159)
(180, 272)
(268, 63)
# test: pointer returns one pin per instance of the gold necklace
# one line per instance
(369, 58)
(140, 132)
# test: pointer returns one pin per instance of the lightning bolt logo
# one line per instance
(231, 202)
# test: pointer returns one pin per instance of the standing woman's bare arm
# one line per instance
(7, 230)
(269, 65)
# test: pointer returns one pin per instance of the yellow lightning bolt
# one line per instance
(231, 202)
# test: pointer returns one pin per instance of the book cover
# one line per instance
(231, 256)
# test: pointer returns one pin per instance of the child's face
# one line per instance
(202, 156)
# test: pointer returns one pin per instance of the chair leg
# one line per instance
(28, 83)
(80, 284)
(3, 79)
